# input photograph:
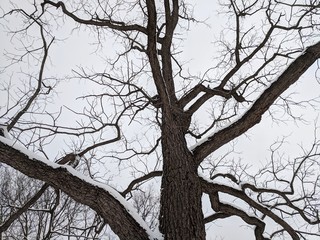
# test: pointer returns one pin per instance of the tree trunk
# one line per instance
(181, 214)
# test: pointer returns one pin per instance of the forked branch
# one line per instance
(97, 21)
(261, 105)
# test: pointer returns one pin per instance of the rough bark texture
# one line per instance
(113, 212)
(181, 214)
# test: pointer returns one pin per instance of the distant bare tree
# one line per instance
(144, 118)
(30, 213)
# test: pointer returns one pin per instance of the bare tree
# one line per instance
(30, 213)
(143, 116)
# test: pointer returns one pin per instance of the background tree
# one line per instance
(145, 113)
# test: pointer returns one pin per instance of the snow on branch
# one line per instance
(117, 212)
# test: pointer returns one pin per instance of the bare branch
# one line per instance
(261, 105)
(96, 197)
(140, 180)
(46, 47)
(96, 21)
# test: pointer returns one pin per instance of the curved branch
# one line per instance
(226, 210)
(141, 179)
(69, 158)
(212, 189)
(284, 196)
(40, 78)
(216, 216)
(115, 25)
(208, 93)
(116, 138)
(246, 59)
(108, 203)
(261, 105)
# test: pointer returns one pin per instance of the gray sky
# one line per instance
(251, 148)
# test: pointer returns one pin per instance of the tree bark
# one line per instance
(181, 214)
(94, 196)
(253, 116)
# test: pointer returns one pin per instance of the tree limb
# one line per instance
(69, 158)
(213, 188)
(261, 105)
(23, 209)
(84, 191)
(141, 179)
(228, 210)
(115, 25)
(36, 93)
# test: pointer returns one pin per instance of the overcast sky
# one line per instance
(252, 148)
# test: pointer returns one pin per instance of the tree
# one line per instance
(145, 112)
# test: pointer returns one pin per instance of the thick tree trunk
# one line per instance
(181, 214)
